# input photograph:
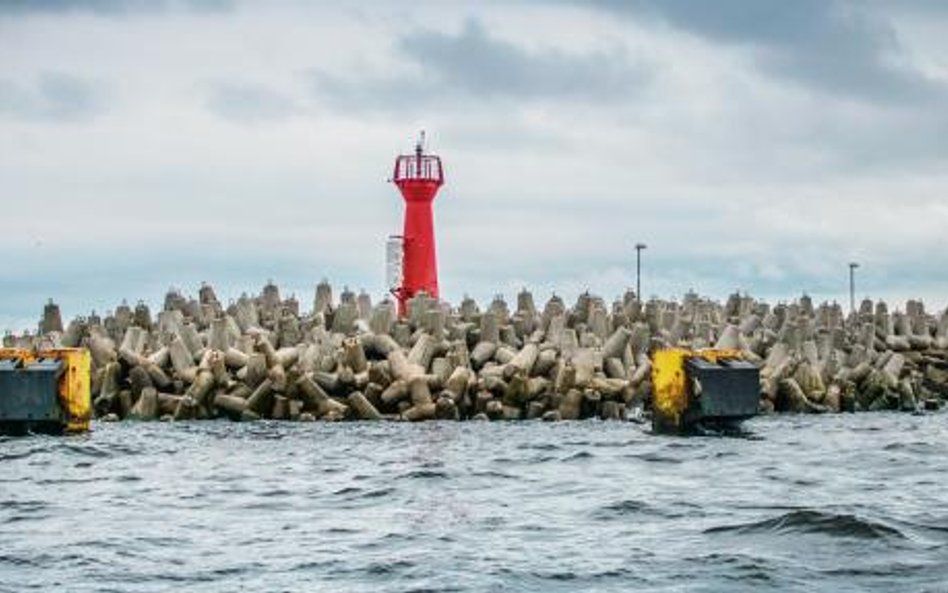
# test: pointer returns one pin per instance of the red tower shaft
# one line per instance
(418, 177)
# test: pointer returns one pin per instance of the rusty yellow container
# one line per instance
(46, 390)
(691, 387)
(669, 389)
(75, 389)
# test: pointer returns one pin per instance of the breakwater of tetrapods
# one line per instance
(266, 356)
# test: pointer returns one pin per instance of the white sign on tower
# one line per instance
(394, 250)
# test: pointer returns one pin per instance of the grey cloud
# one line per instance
(837, 47)
(249, 102)
(110, 7)
(368, 93)
(916, 141)
(927, 8)
(55, 96)
(484, 65)
(475, 64)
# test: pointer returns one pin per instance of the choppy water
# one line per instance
(835, 503)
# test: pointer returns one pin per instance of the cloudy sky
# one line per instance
(753, 145)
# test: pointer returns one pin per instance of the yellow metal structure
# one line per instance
(671, 389)
(75, 393)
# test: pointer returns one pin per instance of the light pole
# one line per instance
(852, 286)
(638, 270)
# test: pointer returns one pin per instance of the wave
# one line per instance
(389, 568)
(815, 522)
(355, 493)
(14, 455)
(542, 446)
(623, 507)
(653, 457)
(423, 474)
(494, 474)
(566, 575)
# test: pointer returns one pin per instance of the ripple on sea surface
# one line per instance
(809, 503)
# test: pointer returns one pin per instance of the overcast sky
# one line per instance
(753, 145)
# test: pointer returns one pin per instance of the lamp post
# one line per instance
(638, 270)
(852, 286)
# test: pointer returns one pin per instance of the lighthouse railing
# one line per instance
(418, 167)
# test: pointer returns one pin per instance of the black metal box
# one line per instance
(729, 389)
(29, 393)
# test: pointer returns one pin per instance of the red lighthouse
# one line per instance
(418, 176)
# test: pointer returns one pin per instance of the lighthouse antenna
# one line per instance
(420, 145)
